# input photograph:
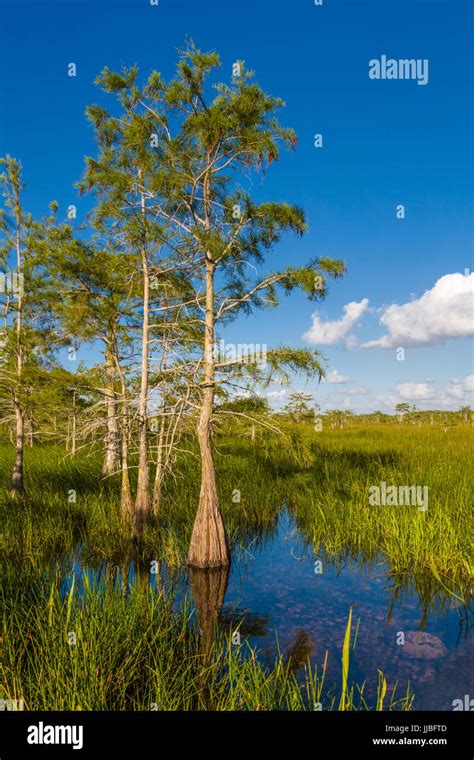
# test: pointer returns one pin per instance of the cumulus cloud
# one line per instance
(386, 400)
(328, 333)
(336, 378)
(445, 311)
(458, 388)
(415, 391)
(241, 394)
(359, 390)
(468, 383)
(276, 394)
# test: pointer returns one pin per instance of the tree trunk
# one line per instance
(17, 477)
(209, 545)
(143, 502)
(112, 452)
(159, 469)
(73, 424)
(159, 458)
(126, 501)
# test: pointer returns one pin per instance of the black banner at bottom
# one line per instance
(89, 734)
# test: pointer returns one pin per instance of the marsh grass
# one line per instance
(133, 651)
(432, 549)
(322, 478)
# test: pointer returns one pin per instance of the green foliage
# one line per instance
(323, 476)
(251, 405)
(134, 652)
(298, 406)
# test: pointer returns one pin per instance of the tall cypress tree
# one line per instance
(25, 299)
(120, 176)
(169, 181)
(91, 278)
(14, 225)
(208, 144)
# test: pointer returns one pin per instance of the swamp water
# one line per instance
(278, 598)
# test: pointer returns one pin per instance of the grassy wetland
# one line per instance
(131, 607)
(183, 525)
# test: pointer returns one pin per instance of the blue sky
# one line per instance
(385, 143)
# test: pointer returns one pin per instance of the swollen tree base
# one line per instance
(126, 504)
(16, 494)
(209, 542)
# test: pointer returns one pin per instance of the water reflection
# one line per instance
(272, 595)
(208, 589)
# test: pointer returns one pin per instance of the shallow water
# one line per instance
(278, 583)
(278, 600)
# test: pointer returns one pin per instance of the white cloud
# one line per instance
(276, 394)
(336, 378)
(415, 391)
(459, 389)
(386, 400)
(469, 384)
(426, 395)
(445, 311)
(328, 333)
(359, 390)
